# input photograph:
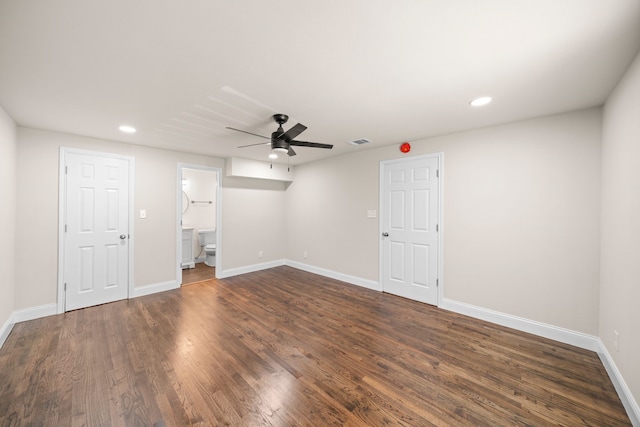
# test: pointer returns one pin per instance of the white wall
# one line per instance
(521, 216)
(620, 253)
(7, 216)
(326, 214)
(155, 191)
(253, 221)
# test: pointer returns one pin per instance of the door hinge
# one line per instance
(437, 227)
(65, 170)
(65, 228)
(437, 173)
(437, 283)
(65, 287)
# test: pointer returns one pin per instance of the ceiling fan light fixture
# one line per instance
(273, 155)
(283, 142)
(279, 146)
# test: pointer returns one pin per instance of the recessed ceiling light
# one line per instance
(273, 156)
(479, 102)
(127, 129)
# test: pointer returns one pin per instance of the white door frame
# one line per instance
(62, 215)
(218, 172)
(383, 163)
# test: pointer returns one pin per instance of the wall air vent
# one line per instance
(360, 141)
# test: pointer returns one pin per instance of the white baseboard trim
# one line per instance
(155, 288)
(249, 269)
(35, 312)
(567, 336)
(369, 284)
(629, 403)
(45, 310)
(23, 315)
(354, 280)
(578, 339)
(6, 329)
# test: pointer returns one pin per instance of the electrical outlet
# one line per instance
(616, 341)
(259, 254)
(305, 255)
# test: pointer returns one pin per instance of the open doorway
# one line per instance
(198, 228)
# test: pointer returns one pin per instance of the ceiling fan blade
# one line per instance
(290, 151)
(250, 133)
(293, 132)
(253, 145)
(310, 144)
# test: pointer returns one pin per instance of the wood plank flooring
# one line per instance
(285, 347)
(197, 274)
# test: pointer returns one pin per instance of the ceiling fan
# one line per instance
(282, 141)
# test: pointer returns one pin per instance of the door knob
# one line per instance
(123, 236)
(385, 234)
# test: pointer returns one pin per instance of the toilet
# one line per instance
(207, 239)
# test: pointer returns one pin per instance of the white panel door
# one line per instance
(96, 240)
(409, 223)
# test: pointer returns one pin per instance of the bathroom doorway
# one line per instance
(199, 213)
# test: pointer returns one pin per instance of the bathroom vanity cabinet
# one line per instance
(187, 248)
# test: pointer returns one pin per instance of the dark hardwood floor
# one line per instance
(197, 274)
(285, 347)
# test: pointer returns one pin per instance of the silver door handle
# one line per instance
(385, 234)
(123, 236)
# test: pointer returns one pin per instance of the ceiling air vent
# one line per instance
(360, 141)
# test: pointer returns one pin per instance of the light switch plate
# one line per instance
(143, 213)
(371, 214)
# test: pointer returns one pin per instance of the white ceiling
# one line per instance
(389, 71)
